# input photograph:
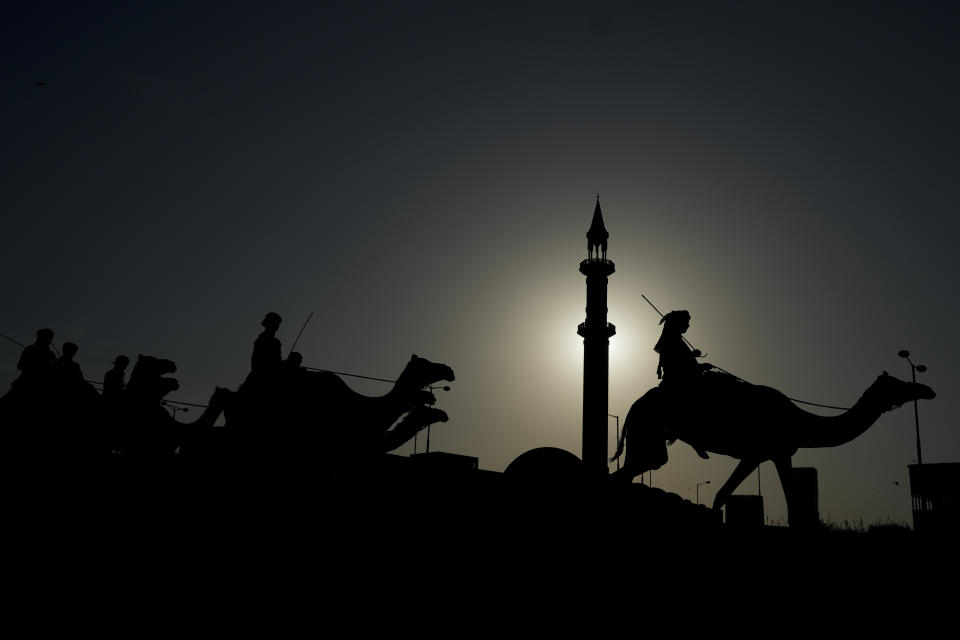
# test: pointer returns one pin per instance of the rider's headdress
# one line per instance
(675, 316)
(272, 319)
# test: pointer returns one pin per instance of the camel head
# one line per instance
(889, 392)
(424, 415)
(166, 385)
(150, 367)
(146, 380)
(422, 396)
(420, 373)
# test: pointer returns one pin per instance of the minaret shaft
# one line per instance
(595, 397)
(596, 333)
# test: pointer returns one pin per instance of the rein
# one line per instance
(814, 404)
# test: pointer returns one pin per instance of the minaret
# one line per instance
(596, 333)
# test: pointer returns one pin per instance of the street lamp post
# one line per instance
(916, 413)
(431, 389)
(174, 409)
(618, 436)
(698, 489)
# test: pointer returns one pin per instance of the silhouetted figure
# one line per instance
(36, 364)
(680, 373)
(294, 362)
(266, 363)
(68, 373)
(113, 380)
(678, 367)
(293, 373)
(266, 358)
(78, 431)
(30, 408)
(53, 415)
(263, 388)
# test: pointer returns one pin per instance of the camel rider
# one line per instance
(293, 365)
(294, 374)
(68, 372)
(113, 382)
(267, 356)
(266, 363)
(678, 366)
(36, 364)
(678, 369)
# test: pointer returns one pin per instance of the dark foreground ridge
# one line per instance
(428, 508)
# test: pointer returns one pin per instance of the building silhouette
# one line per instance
(596, 333)
(935, 493)
(744, 511)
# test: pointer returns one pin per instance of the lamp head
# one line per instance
(921, 368)
(904, 354)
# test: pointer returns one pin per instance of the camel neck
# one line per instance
(209, 415)
(831, 431)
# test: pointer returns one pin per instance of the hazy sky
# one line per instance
(421, 176)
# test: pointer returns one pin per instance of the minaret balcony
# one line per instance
(596, 266)
(605, 330)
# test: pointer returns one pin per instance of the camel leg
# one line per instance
(624, 475)
(634, 465)
(419, 418)
(744, 469)
(785, 471)
(399, 435)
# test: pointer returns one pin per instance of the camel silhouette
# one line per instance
(317, 415)
(750, 422)
(301, 418)
(55, 426)
(376, 414)
(156, 434)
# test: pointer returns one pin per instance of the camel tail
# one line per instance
(623, 436)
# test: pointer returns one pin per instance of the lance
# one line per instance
(23, 346)
(301, 333)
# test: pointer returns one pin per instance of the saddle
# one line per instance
(693, 402)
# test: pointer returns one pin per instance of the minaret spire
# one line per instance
(596, 333)
(597, 234)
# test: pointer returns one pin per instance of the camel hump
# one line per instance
(327, 379)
